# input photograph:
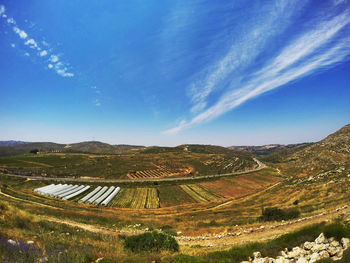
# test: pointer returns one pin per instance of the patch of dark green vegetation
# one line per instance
(277, 214)
(151, 242)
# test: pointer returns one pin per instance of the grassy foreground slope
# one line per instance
(40, 240)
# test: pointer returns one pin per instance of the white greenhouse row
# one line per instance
(99, 196)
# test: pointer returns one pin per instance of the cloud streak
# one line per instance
(58, 66)
(318, 47)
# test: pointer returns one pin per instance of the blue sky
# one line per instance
(173, 72)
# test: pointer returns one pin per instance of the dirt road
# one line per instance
(86, 180)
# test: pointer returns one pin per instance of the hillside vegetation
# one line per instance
(330, 156)
(92, 159)
(211, 219)
(7, 148)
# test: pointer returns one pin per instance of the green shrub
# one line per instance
(151, 242)
(277, 214)
(337, 230)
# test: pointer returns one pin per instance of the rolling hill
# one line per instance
(8, 149)
(329, 154)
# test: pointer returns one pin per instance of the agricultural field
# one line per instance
(137, 198)
(241, 185)
(173, 195)
(199, 193)
(161, 172)
(138, 163)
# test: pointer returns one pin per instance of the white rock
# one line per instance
(332, 251)
(261, 260)
(296, 252)
(257, 255)
(302, 260)
(321, 239)
(280, 259)
(314, 257)
(12, 242)
(319, 247)
(308, 245)
(335, 243)
(324, 254)
(339, 253)
(345, 243)
(30, 242)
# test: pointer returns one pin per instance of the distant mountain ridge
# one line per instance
(268, 148)
(11, 143)
(7, 149)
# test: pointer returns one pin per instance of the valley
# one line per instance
(214, 207)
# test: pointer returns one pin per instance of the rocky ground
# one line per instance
(309, 252)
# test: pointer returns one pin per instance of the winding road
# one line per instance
(85, 180)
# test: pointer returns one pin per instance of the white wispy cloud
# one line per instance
(2, 9)
(43, 53)
(32, 44)
(241, 54)
(97, 103)
(20, 32)
(54, 58)
(320, 47)
(97, 92)
(11, 21)
(60, 67)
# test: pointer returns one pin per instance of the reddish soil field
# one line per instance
(240, 185)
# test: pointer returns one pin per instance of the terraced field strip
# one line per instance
(196, 196)
(162, 171)
(205, 193)
(124, 198)
(152, 198)
(140, 198)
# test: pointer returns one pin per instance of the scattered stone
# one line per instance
(314, 257)
(324, 254)
(321, 239)
(257, 255)
(345, 243)
(12, 242)
(302, 260)
(280, 259)
(308, 245)
(319, 247)
(309, 252)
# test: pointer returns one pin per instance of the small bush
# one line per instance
(337, 230)
(277, 214)
(169, 230)
(151, 242)
(3, 207)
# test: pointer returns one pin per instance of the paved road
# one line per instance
(85, 180)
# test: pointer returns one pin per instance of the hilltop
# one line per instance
(7, 148)
(329, 154)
